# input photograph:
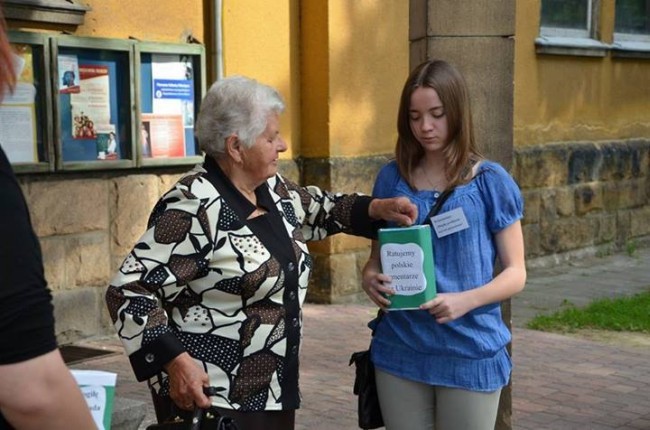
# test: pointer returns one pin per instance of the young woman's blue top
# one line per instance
(470, 352)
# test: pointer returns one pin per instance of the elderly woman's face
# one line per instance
(261, 160)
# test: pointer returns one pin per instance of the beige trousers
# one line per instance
(409, 405)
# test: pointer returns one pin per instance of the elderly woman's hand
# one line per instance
(399, 210)
(186, 382)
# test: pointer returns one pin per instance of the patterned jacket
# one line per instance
(227, 289)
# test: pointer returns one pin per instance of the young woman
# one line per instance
(443, 366)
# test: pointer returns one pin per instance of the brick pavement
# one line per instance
(559, 382)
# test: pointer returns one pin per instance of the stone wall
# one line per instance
(338, 260)
(583, 198)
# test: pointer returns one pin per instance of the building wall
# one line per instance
(342, 106)
(87, 222)
(354, 64)
(567, 98)
(581, 132)
(581, 135)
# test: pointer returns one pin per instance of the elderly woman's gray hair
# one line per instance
(235, 105)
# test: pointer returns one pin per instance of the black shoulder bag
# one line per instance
(200, 419)
(365, 386)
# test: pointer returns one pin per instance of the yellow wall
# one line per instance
(160, 21)
(358, 61)
(260, 40)
(369, 62)
(568, 98)
(338, 64)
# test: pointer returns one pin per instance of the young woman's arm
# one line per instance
(373, 280)
(510, 248)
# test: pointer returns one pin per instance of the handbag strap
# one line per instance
(447, 193)
(438, 205)
(197, 418)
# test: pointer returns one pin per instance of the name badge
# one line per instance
(449, 222)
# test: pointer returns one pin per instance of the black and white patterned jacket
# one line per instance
(227, 289)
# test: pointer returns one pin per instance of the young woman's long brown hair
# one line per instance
(461, 150)
(7, 75)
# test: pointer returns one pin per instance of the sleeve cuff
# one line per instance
(150, 359)
(362, 224)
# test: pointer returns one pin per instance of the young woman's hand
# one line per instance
(447, 307)
(375, 283)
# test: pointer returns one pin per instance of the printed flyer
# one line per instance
(165, 135)
(68, 74)
(173, 86)
(18, 111)
(91, 106)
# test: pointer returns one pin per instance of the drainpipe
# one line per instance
(218, 38)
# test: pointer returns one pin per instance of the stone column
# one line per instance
(477, 36)
(353, 63)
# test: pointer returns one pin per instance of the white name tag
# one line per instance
(449, 222)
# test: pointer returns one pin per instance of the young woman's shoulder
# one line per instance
(501, 195)
(387, 178)
(390, 168)
(490, 166)
(489, 172)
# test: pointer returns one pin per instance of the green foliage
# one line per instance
(621, 314)
(631, 247)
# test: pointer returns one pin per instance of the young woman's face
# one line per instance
(428, 119)
(261, 160)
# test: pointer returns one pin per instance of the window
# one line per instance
(632, 28)
(566, 18)
(570, 27)
(632, 20)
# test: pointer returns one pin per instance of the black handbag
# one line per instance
(369, 412)
(365, 386)
(199, 419)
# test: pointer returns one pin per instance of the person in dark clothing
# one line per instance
(37, 390)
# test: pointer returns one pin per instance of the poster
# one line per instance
(18, 111)
(163, 135)
(173, 86)
(91, 111)
(91, 105)
(89, 121)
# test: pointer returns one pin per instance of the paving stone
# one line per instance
(559, 382)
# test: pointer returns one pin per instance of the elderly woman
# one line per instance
(212, 292)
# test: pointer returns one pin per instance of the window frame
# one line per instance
(572, 33)
(43, 101)
(197, 53)
(563, 41)
(630, 45)
(95, 45)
